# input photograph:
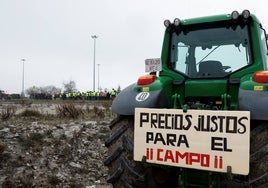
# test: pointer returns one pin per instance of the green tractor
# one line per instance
(199, 118)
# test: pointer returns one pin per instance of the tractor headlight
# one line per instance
(167, 23)
(177, 22)
(235, 15)
(246, 14)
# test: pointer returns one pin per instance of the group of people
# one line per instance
(76, 95)
(90, 95)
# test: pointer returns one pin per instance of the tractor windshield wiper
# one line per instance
(208, 54)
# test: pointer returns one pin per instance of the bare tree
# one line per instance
(52, 90)
(42, 92)
(69, 86)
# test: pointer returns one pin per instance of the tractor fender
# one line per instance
(254, 101)
(129, 99)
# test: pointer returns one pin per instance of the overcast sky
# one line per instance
(54, 37)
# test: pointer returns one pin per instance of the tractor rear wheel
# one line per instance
(123, 170)
(258, 176)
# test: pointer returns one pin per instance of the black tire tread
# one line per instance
(124, 172)
(258, 176)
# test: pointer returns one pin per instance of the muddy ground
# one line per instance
(45, 144)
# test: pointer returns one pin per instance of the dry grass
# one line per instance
(16, 110)
(74, 110)
(31, 113)
(98, 113)
(7, 112)
(68, 110)
(23, 102)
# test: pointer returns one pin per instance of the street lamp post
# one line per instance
(98, 77)
(22, 91)
(94, 37)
